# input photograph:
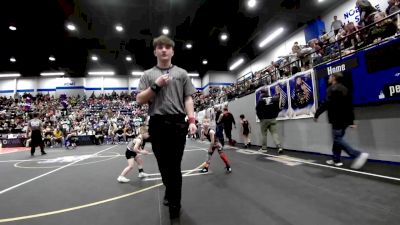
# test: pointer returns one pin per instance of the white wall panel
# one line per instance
(27, 85)
(117, 82)
(7, 87)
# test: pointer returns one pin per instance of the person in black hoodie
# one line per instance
(267, 110)
(340, 114)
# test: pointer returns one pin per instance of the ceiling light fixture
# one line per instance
(52, 74)
(271, 37)
(137, 73)
(165, 31)
(101, 73)
(12, 59)
(51, 58)
(10, 75)
(12, 28)
(119, 28)
(95, 58)
(71, 27)
(128, 58)
(251, 3)
(224, 37)
(189, 46)
(205, 61)
(236, 64)
(193, 74)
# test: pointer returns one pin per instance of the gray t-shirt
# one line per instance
(35, 124)
(171, 98)
(336, 24)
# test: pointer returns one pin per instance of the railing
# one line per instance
(316, 53)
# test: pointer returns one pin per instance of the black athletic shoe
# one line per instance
(204, 170)
(174, 212)
(165, 202)
(228, 169)
(44, 153)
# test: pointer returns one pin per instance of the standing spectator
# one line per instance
(393, 6)
(245, 131)
(226, 118)
(168, 89)
(366, 12)
(267, 110)
(340, 114)
(336, 25)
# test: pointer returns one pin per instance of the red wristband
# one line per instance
(192, 120)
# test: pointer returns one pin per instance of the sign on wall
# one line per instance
(280, 89)
(302, 95)
(297, 96)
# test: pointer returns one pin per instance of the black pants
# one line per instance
(168, 139)
(36, 140)
(228, 133)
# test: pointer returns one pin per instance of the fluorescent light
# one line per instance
(101, 73)
(236, 64)
(52, 74)
(70, 26)
(224, 37)
(51, 58)
(205, 61)
(12, 59)
(137, 73)
(10, 75)
(165, 31)
(271, 37)
(189, 46)
(320, 0)
(193, 74)
(12, 27)
(128, 58)
(119, 28)
(251, 3)
(94, 58)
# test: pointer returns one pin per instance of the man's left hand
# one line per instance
(192, 128)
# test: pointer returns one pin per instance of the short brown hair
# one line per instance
(163, 40)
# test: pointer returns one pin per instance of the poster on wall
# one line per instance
(280, 89)
(302, 95)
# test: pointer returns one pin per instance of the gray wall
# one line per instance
(221, 77)
(378, 131)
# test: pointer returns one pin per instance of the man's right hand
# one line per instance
(162, 80)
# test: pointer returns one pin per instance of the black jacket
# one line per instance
(339, 106)
(268, 107)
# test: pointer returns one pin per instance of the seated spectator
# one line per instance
(57, 136)
(48, 136)
(381, 30)
(119, 134)
(99, 136)
(129, 134)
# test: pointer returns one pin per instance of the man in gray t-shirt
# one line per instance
(336, 25)
(167, 89)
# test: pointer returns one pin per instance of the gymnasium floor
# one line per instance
(79, 187)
